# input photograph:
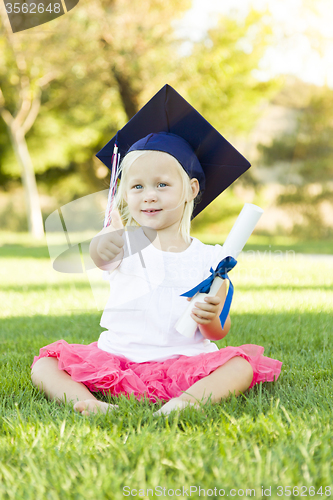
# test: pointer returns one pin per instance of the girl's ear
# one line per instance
(195, 187)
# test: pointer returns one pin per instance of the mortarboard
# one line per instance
(169, 123)
(175, 146)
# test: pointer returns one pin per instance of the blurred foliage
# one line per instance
(107, 59)
(311, 145)
(224, 89)
(224, 208)
(222, 84)
(308, 152)
(103, 56)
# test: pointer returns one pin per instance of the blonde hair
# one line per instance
(120, 203)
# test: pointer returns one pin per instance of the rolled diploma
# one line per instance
(233, 245)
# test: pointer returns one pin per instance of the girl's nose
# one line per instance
(150, 195)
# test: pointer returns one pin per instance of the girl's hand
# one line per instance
(204, 313)
(110, 244)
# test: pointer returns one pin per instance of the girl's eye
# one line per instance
(140, 186)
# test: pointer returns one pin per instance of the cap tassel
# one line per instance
(115, 161)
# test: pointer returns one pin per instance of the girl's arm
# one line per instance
(207, 315)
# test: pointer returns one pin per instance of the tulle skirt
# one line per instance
(103, 372)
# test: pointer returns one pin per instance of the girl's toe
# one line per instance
(80, 406)
(90, 406)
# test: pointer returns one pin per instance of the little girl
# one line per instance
(141, 352)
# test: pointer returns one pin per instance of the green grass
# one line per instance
(265, 243)
(276, 435)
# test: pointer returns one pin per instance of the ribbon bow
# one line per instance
(221, 270)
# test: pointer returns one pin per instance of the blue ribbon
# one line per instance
(221, 270)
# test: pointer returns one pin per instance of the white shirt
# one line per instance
(145, 303)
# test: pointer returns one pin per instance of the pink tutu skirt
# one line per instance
(103, 372)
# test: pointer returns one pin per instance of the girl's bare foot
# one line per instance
(89, 406)
(174, 404)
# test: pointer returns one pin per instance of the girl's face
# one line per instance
(154, 191)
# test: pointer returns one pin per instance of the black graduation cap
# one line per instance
(170, 113)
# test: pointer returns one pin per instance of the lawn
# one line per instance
(276, 439)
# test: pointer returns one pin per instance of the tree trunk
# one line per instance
(34, 213)
(127, 93)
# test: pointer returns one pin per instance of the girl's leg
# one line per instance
(234, 377)
(58, 384)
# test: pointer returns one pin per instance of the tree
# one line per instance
(307, 152)
(109, 59)
(100, 48)
(20, 121)
(223, 87)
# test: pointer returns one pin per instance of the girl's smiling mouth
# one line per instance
(151, 211)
